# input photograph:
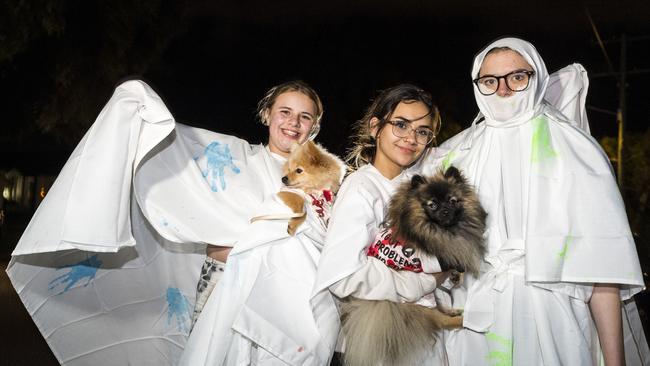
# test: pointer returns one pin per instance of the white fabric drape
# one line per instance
(108, 265)
(262, 310)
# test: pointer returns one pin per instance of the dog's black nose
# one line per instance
(285, 179)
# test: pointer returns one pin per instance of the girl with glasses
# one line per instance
(561, 256)
(396, 130)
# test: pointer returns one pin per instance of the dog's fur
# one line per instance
(441, 216)
(312, 169)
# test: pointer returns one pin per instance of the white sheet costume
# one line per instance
(105, 268)
(261, 312)
(556, 226)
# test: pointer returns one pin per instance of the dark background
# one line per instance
(211, 61)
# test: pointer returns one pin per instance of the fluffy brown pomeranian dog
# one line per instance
(437, 216)
(441, 216)
(310, 173)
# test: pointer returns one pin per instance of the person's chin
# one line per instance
(286, 143)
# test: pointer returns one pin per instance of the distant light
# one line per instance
(42, 192)
(6, 193)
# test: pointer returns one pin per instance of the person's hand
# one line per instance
(218, 253)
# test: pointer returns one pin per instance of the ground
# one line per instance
(20, 341)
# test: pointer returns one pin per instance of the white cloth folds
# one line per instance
(262, 308)
(567, 91)
(99, 174)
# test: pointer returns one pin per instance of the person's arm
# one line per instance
(218, 252)
(375, 281)
(605, 305)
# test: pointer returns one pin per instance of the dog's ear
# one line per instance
(314, 153)
(417, 180)
(453, 173)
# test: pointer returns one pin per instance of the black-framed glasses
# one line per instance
(516, 81)
(402, 129)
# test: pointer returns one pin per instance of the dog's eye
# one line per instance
(453, 201)
(299, 170)
(432, 205)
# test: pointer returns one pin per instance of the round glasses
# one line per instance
(516, 81)
(402, 129)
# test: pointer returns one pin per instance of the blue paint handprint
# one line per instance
(86, 269)
(178, 308)
(218, 159)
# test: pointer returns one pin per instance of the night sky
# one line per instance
(211, 62)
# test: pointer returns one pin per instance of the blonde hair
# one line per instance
(364, 143)
(265, 104)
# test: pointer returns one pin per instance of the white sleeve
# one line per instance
(344, 266)
(430, 263)
(376, 281)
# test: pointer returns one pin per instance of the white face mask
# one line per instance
(502, 109)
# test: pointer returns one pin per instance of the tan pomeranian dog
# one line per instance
(438, 216)
(311, 174)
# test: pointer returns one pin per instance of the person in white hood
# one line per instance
(561, 256)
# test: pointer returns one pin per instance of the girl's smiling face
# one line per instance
(290, 119)
(393, 153)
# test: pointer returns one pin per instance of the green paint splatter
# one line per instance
(542, 148)
(446, 163)
(493, 337)
(562, 254)
(498, 357)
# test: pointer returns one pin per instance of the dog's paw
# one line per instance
(449, 311)
(455, 322)
(454, 312)
(294, 224)
(291, 228)
(456, 277)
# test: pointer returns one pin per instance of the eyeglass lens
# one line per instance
(401, 129)
(515, 81)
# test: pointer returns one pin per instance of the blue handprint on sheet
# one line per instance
(178, 308)
(218, 159)
(86, 269)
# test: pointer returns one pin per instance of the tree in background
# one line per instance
(636, 186)
(73, 53)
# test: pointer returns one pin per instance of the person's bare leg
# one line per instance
(213, 267)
